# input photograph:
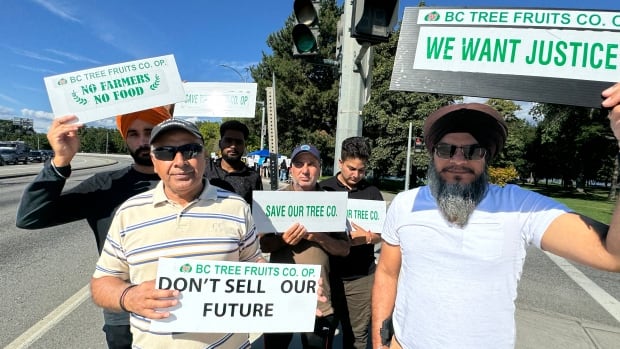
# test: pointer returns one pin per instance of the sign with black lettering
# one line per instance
(237, 297)
(539, 55)
(107, 91)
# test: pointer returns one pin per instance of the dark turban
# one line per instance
(152, 116)
(483, 122)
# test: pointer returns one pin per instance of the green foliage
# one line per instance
(502, 175)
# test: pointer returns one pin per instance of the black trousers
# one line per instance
(321, 338)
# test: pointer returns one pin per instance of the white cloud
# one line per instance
(8, 99)
(61, 10)
(35, 55)
(72, 56)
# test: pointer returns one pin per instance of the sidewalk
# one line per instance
(535, 329)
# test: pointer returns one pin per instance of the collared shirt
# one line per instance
(216, 226)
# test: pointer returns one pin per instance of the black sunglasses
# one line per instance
(470, 152)
(167, 153)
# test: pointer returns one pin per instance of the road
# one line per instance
(45, 274)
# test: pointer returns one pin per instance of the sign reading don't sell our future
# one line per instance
(107, 91)
(540, 55)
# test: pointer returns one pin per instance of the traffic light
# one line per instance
(306, 31)
(372, 21)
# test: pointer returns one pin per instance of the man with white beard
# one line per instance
(453, 251)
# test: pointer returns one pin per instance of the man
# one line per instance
(182, 216)
(229, 172)
(352, 276)
(43, 203)
(453, 251)
(297, 245)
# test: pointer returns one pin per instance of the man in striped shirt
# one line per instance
(183, 216)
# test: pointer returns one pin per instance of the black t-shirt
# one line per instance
(361, 259)
(242, 182)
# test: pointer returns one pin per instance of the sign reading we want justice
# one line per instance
(509, 53)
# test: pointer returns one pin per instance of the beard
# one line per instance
(232, 159)
(457, 201)
(140, 158)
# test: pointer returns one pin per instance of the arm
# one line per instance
(271, 242)
(143, 299)
(361, 236)
(333, 246)
(39, 206)
(582, 239)
(384, 288)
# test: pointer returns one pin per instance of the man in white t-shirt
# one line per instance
(453, 251)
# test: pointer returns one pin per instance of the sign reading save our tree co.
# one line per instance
(122, 88)
(540, 55)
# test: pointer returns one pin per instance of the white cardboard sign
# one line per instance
(318, 211)
(237, 297)
(107, 91)
(218, 99)
(368, 214)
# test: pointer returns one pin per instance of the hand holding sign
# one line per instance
(145, 300)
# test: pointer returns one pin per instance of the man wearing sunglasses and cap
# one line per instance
(44, 204)
(453, 250)
(183, 216)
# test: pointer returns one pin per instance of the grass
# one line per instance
(592, 203)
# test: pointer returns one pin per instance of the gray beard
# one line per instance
(457, 201)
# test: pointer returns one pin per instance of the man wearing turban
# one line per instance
(453, 250)
(44, 204)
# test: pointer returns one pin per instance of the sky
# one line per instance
(212, 41)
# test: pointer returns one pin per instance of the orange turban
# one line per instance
(152, 116)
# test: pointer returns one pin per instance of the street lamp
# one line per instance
(236, 71)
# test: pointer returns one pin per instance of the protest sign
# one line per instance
(237, 297)
(318, 211)
(368, 214)
(107, 91)
(218, 99)
(539, 55)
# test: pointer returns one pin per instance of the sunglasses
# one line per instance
(470, 152)
(167, 153)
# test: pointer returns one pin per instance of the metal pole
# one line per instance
(408, 158)
(262, 126)
(355, 67)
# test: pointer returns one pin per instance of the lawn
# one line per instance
(592, 203)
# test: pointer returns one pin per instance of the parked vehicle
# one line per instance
(8, 156)
(20, 147)
(36, 156)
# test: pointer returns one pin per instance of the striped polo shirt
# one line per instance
(217, 225)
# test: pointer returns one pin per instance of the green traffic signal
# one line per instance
(306, 31)
(304, 39)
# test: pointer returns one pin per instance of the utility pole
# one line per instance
(354, 84)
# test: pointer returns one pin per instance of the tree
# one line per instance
(306, 89)
(574, 143)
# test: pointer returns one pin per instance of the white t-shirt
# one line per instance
(457, 286)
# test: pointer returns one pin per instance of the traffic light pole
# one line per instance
(355, 79)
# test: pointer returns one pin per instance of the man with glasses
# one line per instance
(453, 250)
(298, 246)
(183, 216)
(230, 172)
(44, 204)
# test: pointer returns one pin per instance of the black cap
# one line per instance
(175, 124)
